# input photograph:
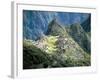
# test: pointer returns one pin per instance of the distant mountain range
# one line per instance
(35, 23)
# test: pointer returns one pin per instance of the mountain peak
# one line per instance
(54, 21)
(80, 36)
(76, 27)
(55, 29)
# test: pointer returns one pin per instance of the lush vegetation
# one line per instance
(34, 57)
(60, 47)
(80, 36)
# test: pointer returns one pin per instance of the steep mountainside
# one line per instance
(35, 23)
(87, 24)
(56, 29)
(59, 48)
(80, 36)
